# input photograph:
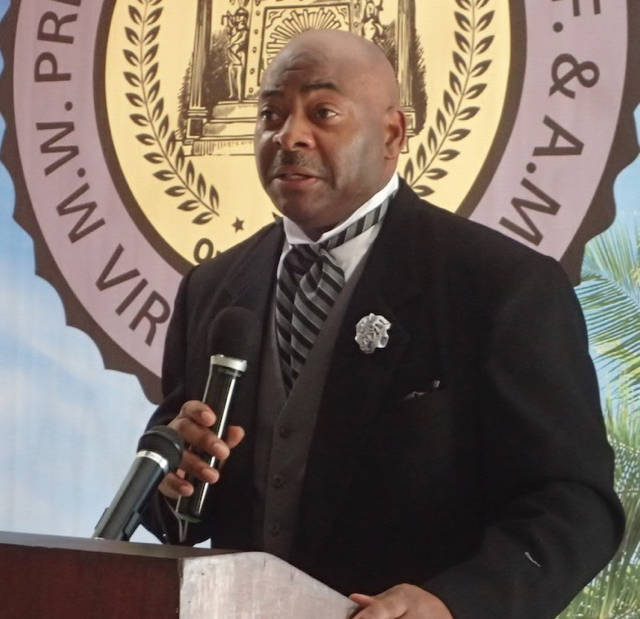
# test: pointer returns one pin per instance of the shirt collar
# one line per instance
(295, 235)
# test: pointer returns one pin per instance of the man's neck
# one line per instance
(296, 234)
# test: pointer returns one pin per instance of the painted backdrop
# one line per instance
(126, 149)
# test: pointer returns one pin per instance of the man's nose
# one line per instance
(295, 133)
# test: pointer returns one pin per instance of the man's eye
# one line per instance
(267, 115)
(325, 113)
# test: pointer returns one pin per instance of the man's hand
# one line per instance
(193, 425)
(406, 601)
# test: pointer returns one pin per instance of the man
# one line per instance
(451, 460)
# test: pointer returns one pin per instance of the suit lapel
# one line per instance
(357, 381)
(248, 284)
(251, 283)
(251, 287)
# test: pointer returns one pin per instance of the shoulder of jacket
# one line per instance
(470, 247)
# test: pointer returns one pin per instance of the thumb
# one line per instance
(362, 600)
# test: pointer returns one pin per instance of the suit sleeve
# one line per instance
(554, 519)
(159, 518)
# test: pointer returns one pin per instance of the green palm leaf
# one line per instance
(610, 298)
(615, 592)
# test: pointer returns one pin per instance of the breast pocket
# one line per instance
(428, 393)
(424, 433)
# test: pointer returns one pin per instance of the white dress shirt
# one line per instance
(349, 254)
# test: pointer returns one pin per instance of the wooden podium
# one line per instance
(45, 577)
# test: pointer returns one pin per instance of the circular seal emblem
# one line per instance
(130, 133)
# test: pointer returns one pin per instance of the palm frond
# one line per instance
(615, 592)
(610, 298)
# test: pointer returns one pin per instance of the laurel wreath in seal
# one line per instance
(186, 184)
(465, 85)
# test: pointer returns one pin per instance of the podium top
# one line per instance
(64, 577)
(109, 546)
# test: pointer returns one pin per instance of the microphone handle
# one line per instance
(218, 394)
(122, 517)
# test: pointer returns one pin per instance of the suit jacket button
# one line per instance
(284, 431)
(277, 481)
(274, 528)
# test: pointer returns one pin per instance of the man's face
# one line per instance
(319, 139)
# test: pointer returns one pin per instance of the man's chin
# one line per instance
(298, 212)
(297, 205)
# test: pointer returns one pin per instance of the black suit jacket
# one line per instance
(469, 456)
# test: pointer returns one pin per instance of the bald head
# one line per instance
(330, 128)
(362, 61)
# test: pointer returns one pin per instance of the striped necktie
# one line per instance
(309, 283)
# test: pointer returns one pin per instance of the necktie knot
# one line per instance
(298, 261)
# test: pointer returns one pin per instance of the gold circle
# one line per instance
(233, 177)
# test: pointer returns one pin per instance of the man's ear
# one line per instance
(396, 133)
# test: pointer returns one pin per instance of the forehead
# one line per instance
(305, 70)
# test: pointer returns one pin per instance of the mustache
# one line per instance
(296, 158)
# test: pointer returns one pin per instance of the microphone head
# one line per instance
(234, 333)
(164, 441)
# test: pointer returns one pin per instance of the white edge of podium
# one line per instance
(255, 585)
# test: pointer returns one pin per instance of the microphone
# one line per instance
(232, 338)
(159, 452)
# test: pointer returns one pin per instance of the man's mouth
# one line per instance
(293, 175)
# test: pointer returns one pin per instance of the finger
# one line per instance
(198, 412)
(234, 436)
(198, 436)
(362, 600)
(384, 606)
(174, 484)
(192, 423)
(193, 465)
(173, 487)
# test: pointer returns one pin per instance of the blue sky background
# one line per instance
(627, 190)
(68, 427)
